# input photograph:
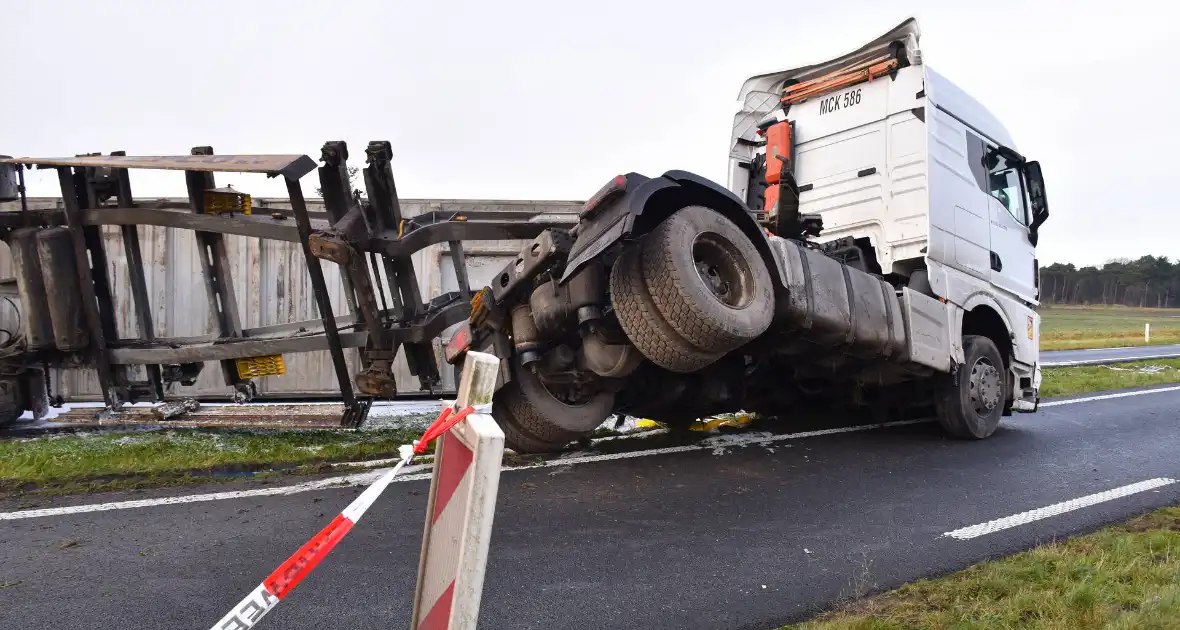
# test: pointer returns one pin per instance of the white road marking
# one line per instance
(366, 478)
(359, 479)
(1074, 401)
(1008, 522)
(382, 463)
(1105, 360)
(374, 463)
(629, 435)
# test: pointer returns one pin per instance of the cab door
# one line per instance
(1012, 256)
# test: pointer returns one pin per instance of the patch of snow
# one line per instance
(1144, 369)
(401, 420)
(722, 443)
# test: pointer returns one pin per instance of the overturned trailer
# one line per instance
(371, 238)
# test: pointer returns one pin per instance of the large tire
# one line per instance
(707, 280)
(644, 325)
(534, 421)
(11, 401)
(971, 409)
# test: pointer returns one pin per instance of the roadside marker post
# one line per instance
(248, 612)
(460, 509)
(458, 518)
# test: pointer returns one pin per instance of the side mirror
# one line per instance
(1037, 198)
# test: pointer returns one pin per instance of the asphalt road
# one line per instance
(750, 538)
(1108, 355)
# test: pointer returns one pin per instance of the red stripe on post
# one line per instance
(291, 573)
(445, 423)
(439, 616)
(456, 459)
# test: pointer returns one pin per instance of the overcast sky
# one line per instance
(515, 99)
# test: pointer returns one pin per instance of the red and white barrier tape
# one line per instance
(290, 573)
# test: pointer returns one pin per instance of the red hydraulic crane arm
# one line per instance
(839, 79)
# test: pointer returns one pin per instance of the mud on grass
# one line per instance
(1126, 576)
(153, 458)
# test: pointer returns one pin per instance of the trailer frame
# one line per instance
(368, 237)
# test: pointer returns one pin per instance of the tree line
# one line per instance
(1150, 281)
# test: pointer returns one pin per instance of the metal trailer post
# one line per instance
(219, 284)
(459, 262)
(139, 292)
(377, 377)
(336, 191)
(98, 260)
(354, 411)
(399, 270)
(92, 278)
(85, 180)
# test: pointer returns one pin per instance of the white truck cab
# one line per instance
(874, 246)
(929, 185)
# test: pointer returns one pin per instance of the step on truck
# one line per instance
(875, 244)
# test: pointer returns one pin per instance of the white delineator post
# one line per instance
(461, 506)
(1146, 333)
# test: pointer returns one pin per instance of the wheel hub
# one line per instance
(984, 384)
(712, 278)
(722, 272)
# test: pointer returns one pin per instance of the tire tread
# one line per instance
(668, 283)
(949, 404)
(644, 325)
(528, 420)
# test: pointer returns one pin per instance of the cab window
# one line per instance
(1004, 183)
(976, 150)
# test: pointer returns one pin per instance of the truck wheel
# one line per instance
(707, 280)
(972, 408)
(535, 421)
(643, 324)
(11, 401)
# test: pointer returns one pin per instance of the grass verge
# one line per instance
(1126, 576)
(1078, 327)
(1067, 381)
(180, 456)
(64, 464)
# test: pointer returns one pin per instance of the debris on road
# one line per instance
(710, 424)
(737, 420)
(174, 408)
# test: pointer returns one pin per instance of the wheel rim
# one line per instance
(984, 386)
(723, 271)
(561, 395)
